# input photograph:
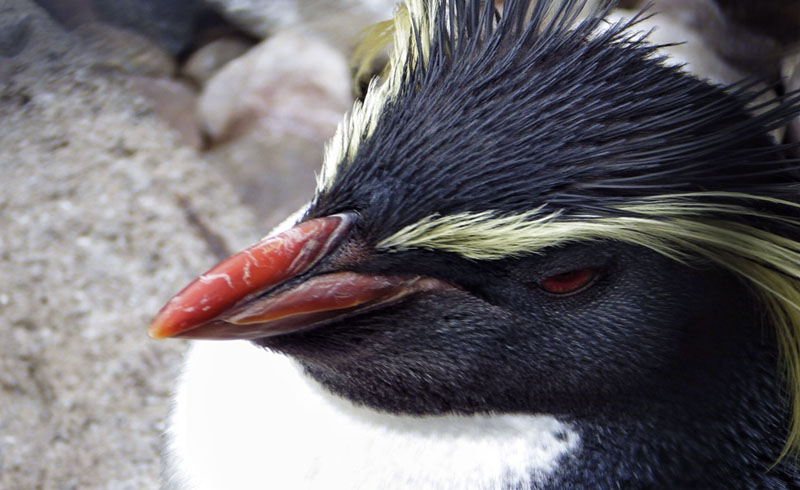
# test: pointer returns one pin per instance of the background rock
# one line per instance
(111, 200)
(685, 46)
(207, 60)
(288, 81)
(169, 24)
(261, 18)
(124, 51)
(174, 101)
(93, 238)
(338, 21)
(268, 114)
(790, 70)
(752, 36)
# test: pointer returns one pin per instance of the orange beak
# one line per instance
(253, 293)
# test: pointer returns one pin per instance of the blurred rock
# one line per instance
(170, 24)
(207, 61)
(69, 13)
(125, 51)
(27, 32)
(175, 102)
(273, 175)
(739, 45)
(269, 114)
(776, 19)
(94, 237)
(753, 36)
(689, 47)
(260, 18)
(290, 83)
(14, 34)
(790, 71)
(339, 21)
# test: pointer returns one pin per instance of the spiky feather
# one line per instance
(516, 133)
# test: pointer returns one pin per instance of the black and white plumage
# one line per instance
(537, 258)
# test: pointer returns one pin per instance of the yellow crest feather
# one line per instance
(684, 227)
(676, 226)
(360, 123)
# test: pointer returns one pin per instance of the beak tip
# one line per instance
(270, 262)
(160, 328)
(156, 332)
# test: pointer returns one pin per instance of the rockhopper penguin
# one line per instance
(537, 258)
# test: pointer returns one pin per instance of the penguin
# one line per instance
(537, 257)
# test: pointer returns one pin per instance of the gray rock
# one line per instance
(94, 237)
(269, 113)
(174, 101)
(170, 24)
(260, 18)
(207, 61)
(125, 51)
(271, 85)
(790, 70)
(684, 46)
(338, 21)
(14, 35)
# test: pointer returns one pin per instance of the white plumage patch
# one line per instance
(245, 418)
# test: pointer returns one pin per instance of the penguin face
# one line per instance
(531, 216)
(495, 339)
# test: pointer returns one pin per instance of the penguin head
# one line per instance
(527, 212)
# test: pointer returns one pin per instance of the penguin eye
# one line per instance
(568, 282)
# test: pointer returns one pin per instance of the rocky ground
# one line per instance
(94, 236)
(113, 194)
(133, 155)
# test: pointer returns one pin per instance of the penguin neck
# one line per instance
(711, 424)
(290, 429)
(248, 419)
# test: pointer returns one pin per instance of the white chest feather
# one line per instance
(245, 418)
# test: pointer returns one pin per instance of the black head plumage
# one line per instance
(538, 215)
(513, 113)
(493, 136)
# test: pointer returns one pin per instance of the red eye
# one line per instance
(568, 282)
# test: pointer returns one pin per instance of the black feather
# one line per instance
(513, 114)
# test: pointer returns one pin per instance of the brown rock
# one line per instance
(174, 101)
(790, 70)
(94, 237)
(696, 35)
(273, 174)
(339, 22)
(269, 114)
(206, 61)
(125, 51)
(290, 83)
